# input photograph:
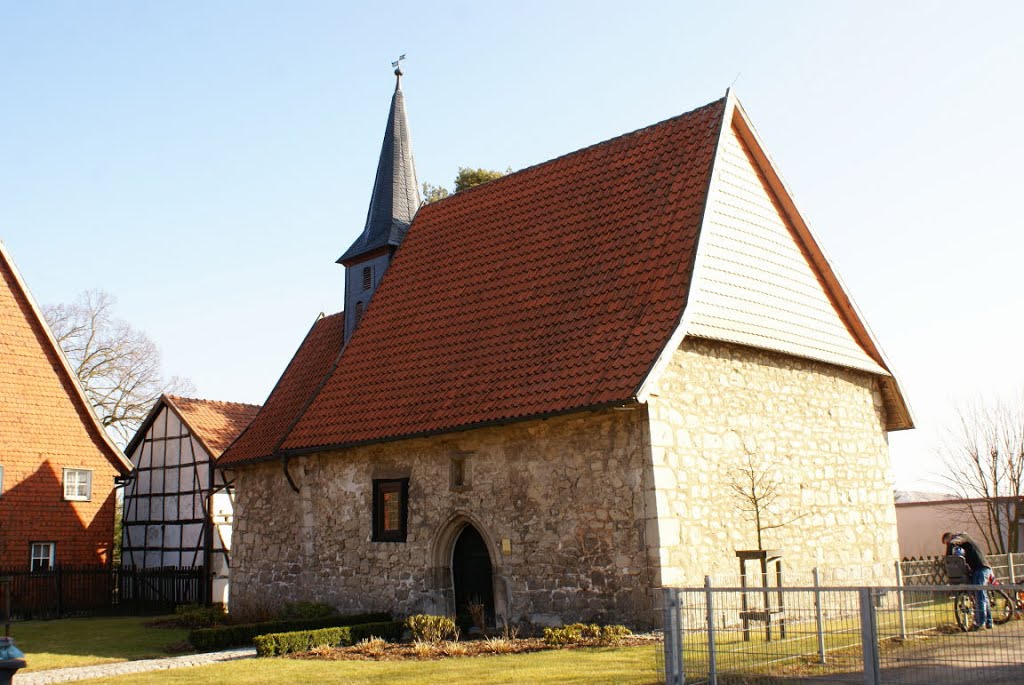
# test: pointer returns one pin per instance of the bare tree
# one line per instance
(758, 490)
(984, 459)
(117, 365)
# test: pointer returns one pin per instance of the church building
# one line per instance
(541, 389)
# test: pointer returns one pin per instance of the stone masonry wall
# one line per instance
(559, 501)
(815, 429)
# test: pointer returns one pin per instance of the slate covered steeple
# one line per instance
(393, 204)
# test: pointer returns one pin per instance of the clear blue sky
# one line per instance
(206, 162)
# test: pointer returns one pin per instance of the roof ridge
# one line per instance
(177, 398)
(578, 151)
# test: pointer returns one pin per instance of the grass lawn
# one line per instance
(601, 666)
(68, 642)
(87, 641)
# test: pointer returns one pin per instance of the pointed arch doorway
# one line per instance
(466, 565)
(472, 575)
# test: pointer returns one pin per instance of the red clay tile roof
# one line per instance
(44, 413)
(308, 368)
(549, 290)
(215, 423)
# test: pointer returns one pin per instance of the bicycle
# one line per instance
(1001, 605)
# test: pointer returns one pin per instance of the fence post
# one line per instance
(6, 582)
(869, 638)
(59, 580)
(1009, 562)
(673, 637)
(899, 600)
(709, 603)
(818, 617)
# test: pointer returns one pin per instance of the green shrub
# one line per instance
(433, 629)
(276, 644)
(224, 637)
(387, 630)
(581, 633)
(611, 635)
(560, 637)
(199, 616)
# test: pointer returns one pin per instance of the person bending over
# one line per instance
(981, 573)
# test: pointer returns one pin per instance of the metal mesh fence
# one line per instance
(838, 635)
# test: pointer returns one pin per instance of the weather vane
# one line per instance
(397, 62)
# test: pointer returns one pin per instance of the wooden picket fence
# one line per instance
(1008, 568)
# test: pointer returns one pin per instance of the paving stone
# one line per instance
(67, 675)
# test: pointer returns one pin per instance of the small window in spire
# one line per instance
(359, 311)
(367, 277)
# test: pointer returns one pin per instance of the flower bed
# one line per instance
(420, 651)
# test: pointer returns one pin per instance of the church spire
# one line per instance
(393, 203)
(396, 195)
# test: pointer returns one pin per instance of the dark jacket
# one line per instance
(975, 557)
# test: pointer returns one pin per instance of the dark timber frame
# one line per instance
(168, 517)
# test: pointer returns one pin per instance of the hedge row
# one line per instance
(388, 630)
(241, 635)
(276, 644)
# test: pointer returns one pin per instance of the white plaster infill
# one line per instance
(119, 668)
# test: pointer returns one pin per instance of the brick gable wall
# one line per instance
(42, 431)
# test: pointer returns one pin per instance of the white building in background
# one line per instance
(178, 508)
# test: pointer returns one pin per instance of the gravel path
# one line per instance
(67, 675)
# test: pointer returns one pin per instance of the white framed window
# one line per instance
(77, 485)
(42, 556)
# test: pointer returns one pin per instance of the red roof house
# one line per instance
(541, 385)
(57, 465)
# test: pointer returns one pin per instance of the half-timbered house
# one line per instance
(177, 508)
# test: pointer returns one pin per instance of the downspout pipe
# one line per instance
(287, 475)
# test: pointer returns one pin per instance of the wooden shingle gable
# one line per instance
(761, 278)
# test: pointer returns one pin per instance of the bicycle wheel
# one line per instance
(963, 609)
(1000, 605)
